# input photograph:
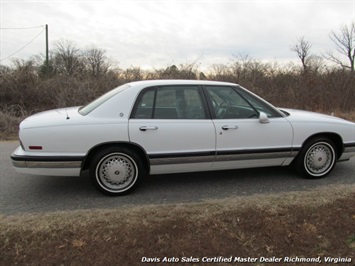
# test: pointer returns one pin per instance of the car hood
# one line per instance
(56, 117)
(307, 116)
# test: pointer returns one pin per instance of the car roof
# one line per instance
(163, 82)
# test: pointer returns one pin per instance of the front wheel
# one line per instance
(116, 171)
(317, 158)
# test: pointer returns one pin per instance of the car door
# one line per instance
(171, 123)
(243, 139)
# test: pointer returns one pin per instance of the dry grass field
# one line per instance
(311, 224)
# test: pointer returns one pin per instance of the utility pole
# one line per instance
(47, 57)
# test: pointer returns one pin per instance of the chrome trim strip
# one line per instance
(252, 156)
(294, 153)
(349, 152)
(33, 164)
(30, 158)
(349, 149)
(19, 164)
(182, 160)
(255, 151)
(185, 159)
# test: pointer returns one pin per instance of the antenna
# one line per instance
(66, 112)
(47, 57)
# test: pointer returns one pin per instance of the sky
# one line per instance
(155, 34)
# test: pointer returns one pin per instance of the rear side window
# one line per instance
(84, 110)
(170, 102)
(144, 108)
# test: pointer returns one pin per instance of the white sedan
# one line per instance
(175, 126)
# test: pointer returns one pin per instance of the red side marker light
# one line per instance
(35, 147)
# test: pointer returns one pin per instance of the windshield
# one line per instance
(86, 109)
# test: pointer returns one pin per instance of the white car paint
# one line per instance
(307, 123)
(64, 141)
(173, 137)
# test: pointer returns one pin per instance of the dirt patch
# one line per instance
(301, 225)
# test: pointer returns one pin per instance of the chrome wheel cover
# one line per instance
(116, 172)
(319, 159)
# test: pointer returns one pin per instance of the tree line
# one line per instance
(75, 77)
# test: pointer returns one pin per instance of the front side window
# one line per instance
(259, 105)
(229, 104)
(169, 102)
(234, 103)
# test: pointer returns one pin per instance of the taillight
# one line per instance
(35, 147)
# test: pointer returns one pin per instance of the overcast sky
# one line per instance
(160, 33)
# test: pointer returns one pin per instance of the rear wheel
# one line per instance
(317, 158)
(116, 171)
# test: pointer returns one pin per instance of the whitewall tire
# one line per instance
(317, 158)
(116, 171)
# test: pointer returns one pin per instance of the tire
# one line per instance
(116, 171)
(317, 158)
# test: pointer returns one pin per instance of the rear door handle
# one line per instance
(226, 127)
(145, 128)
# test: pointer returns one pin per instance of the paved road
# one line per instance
(30, 194)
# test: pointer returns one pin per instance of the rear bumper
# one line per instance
(61, 165)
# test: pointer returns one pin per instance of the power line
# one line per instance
(23, 46)
(23, 28)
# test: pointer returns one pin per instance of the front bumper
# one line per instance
(349, 151)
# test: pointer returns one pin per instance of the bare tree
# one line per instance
(25, 70)
(316, 63)
(302, 48)
(44, 70)
(344, 41)
(67, 58)
(183, 71)
(4, 69)
(96, 60)
(132, 74)
(245, 68)
(220, 72)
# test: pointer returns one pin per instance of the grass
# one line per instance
(304, 224)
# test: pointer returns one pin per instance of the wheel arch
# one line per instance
(128, 145)
(336, 138)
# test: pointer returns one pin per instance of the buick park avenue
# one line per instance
(175, 126)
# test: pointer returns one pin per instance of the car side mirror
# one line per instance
(263, 119)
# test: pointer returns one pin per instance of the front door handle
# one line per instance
(145, 128)
(226, 127)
